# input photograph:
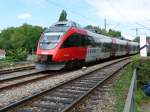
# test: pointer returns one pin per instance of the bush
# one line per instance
(143, 71)
(18, 54)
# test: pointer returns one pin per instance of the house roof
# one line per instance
(2, 51)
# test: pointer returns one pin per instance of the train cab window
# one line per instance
(84, 40)
(49, 41)
(73, 41)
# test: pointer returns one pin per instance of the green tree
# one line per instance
(114, 33)
(18, 54)
(5, 37)
(63, 16)
(97, 29)
(25, 37)
(110, 33)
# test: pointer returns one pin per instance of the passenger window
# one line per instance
(84, 40)
(91, 41)
(98, 44)
(117, 47)
(73, 41)
(106, 47)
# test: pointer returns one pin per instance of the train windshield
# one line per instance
(50, 40)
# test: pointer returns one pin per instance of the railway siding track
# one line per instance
(14, 69)
(16, 75)
(24, 79)
(64, 97)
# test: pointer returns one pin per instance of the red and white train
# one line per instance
(65, 44)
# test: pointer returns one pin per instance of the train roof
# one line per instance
(62, 26)
(66, 24)
(99, 37)
(119, 41)
(133, 43)
(57, 29)
(106, 39)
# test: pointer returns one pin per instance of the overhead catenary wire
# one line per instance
(86, 18)
(120, 14)
(117, 11)
(143, 26)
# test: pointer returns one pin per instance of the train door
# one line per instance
(113, 47)
(93, 50)
(106, 50)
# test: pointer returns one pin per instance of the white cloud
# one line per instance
(122, 10)
(24, 16)
(129, 13)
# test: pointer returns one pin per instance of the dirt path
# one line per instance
(146, 107)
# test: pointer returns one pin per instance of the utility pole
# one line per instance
(105, 24)
(136, 30)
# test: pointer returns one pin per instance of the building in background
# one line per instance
(148, 46)
(2, 53)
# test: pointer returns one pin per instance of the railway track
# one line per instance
(17, 75)
(100, 99)
(7, 83)
(16, 69)
(66, 96)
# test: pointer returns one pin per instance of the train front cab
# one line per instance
(73, 50)
(46, 50)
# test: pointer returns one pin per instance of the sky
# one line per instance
(122, 15)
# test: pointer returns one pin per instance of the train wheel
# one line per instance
(69, 65)
(74, 64)
(81, 64)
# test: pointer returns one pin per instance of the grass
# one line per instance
(143, 65)
(141, 98)
(6, 61)
(121, 86)
(143, 77)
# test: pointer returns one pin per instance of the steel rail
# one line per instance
(16, 69)
(27, 81)
(18, 77)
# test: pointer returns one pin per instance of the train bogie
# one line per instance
(49, 66)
